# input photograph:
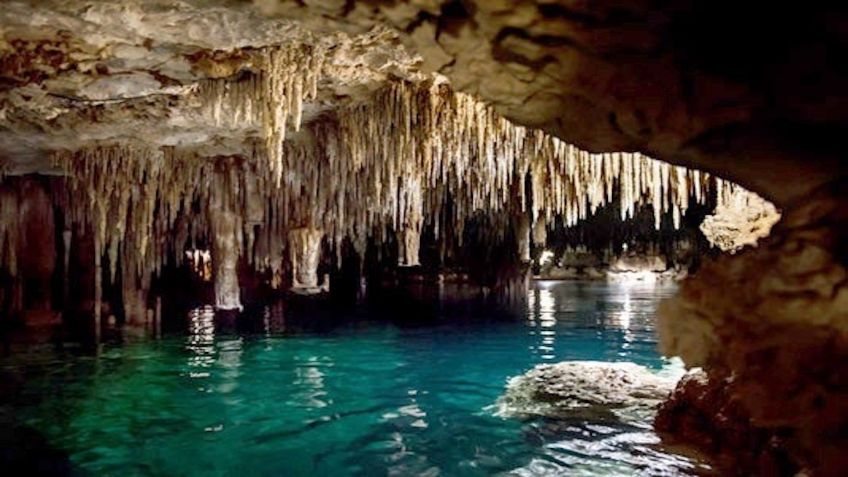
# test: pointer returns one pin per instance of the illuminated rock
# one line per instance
(305, 253)
(587, 389)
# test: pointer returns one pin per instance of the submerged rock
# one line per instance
(588, 389)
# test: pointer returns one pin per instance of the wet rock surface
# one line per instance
(586, 389)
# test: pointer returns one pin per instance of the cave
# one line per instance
(423, 237)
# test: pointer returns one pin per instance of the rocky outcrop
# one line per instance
(774, 318)
(587, 389)
(740, 219)
(646, 263)
(702, 412)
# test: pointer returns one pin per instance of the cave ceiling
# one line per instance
(755, 95)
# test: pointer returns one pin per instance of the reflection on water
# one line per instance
(364, 399)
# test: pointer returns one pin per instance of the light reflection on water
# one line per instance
(365, 399)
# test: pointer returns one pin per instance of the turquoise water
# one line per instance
(366, 398)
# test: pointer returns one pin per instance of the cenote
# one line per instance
(364, 397)
(423, 237)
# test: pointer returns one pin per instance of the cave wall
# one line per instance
(770, 324)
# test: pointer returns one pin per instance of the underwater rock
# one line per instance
(587, 389)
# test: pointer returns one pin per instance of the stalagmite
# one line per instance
(522, 236)
(98, 286)
(540, 234)
(134, 294)
(66, 249)
(305, 252)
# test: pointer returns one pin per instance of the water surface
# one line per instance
(365, 398)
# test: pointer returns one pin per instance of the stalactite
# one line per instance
(415, 156)
(290, 75)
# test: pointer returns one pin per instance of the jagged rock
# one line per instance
(775, 319)
(702, 413)
(586, 389)
(739, 219)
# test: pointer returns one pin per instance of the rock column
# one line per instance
(305, 253)
(225, 225)
(522, 238)
(409, 244)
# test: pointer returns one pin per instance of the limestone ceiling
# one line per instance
(757, 96)
(74, 72)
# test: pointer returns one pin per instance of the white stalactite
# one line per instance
(416, 156)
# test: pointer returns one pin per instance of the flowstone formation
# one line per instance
(740, 219)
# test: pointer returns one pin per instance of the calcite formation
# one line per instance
(611, 75)
(305, 250)
(740, 218)
(417, 155)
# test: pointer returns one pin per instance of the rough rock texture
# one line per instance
(27, 250)
(585, 389)
(75, 72)
(701, 412)
(740, 219)
(638, 263)
(775, 318)
(755, 104)
(706, 84)
(305, 252)
(226, 224)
